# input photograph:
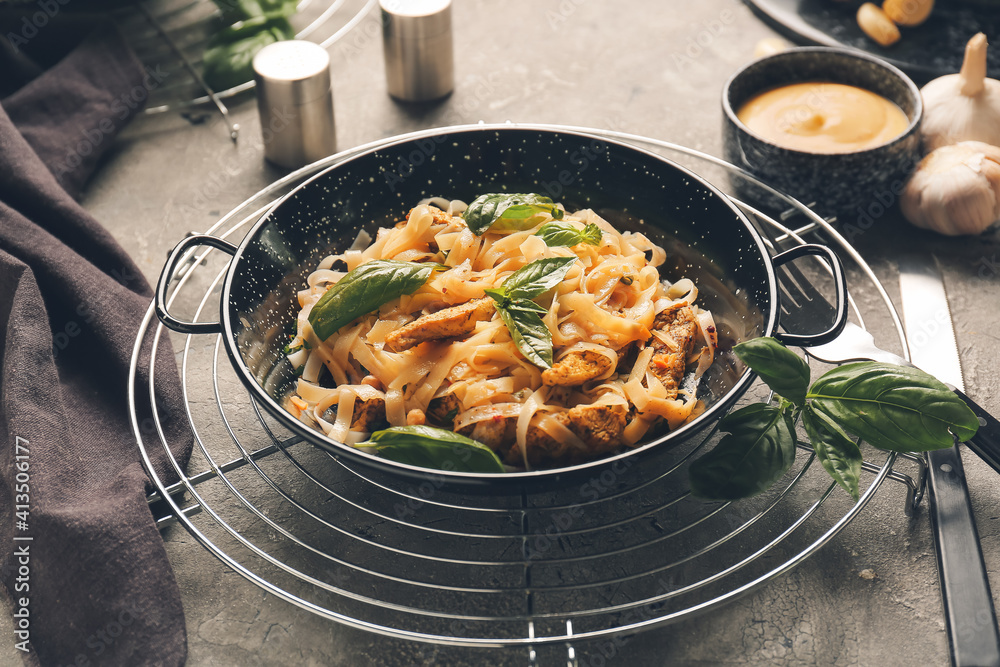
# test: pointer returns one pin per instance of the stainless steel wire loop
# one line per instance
(623, 553)
(170, 36)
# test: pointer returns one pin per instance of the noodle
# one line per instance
(622, 339)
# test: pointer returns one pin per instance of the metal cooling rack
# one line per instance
(171, 36)
(526, 573)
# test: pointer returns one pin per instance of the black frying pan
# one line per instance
(706, 237)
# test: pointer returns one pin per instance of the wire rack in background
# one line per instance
(171, 36)
(529, 573)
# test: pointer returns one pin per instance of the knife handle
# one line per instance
(986, 441)
(968, 603)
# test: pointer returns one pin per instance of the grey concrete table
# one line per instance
(869, 597)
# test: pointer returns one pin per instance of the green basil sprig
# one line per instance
(228, 60)
(234, 11)
(521, 315)
(837, 453)
(430, 447)
(364, 290)
(536, 278)
(756, 451)
(892, 407)
(784, 371)
(562, 233)
(504, 211)
(523, 319)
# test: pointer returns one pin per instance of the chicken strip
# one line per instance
(368, 415)
(497, 433)
(446, 323)
(575, 368)
(598, 426)
(669, 361)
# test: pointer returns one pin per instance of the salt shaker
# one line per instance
(419, 54)
(295, 101)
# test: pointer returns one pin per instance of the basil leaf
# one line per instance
(839, 455)
(893, 407)
(536, 278)
(228, 59)
(521, 315)
(508, 211)
(499, 296)
(430, 447)
(234, 11)
(784, 371)
(566, 234)
(528, 331)
(758, 449)
(363, 290)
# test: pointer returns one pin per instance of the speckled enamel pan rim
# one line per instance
(485, 480)
(918, 103)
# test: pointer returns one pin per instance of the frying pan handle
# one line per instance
(840, 283)
(163, 283)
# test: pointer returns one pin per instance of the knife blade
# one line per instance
(968, 602)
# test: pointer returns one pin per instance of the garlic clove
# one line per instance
(955, 190)
(963, 106)
(874, 23)
(771, 45)
(973, 72)
(908, 12)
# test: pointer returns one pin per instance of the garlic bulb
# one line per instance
(963, 106)
(955, 190)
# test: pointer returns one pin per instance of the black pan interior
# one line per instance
(706, 238)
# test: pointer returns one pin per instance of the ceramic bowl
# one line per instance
(861, 184)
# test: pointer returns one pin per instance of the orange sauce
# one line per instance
(819, 117)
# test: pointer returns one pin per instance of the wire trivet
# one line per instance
(627, 551)
(170, 36)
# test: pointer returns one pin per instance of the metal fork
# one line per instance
(804, 307)
(972, 626)
(854, 344)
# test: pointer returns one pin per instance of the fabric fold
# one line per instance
(98, 584)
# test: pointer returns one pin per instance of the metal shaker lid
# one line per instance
(418, 48)
(292, 72)
(416, 19)
(295, 101)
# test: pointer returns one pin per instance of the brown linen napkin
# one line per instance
(94, 574)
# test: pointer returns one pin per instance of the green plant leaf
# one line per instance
(536, 278)
(499, 296)
(523, 319)
(562, 233)
(435, 448)
(784, 371)
(364, 290)
(757, 450)
(838, 454)
(234, 11)
(893, 407)
(521, 315)
(228, 60)
(508, 211)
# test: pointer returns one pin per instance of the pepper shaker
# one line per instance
(419, 54)
(295, 101)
